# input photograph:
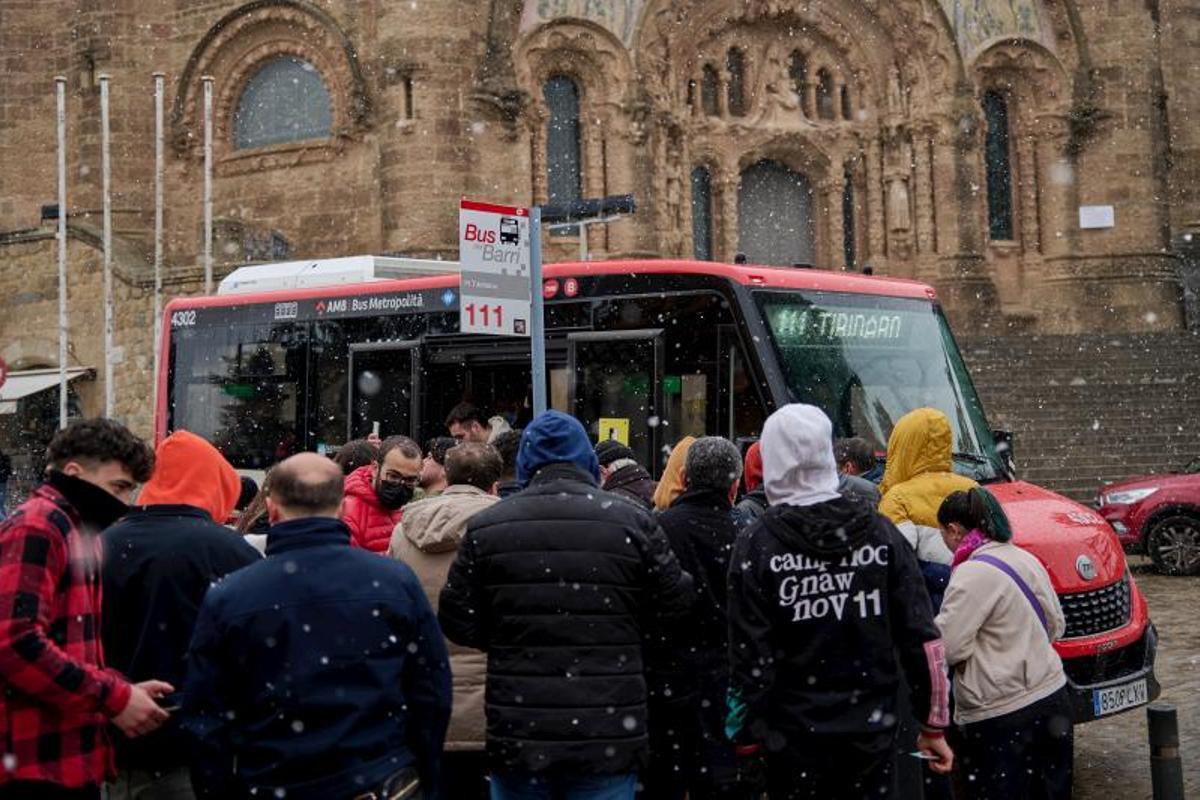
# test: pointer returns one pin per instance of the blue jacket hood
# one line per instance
(555, 438)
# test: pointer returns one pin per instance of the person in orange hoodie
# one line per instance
(159, 560)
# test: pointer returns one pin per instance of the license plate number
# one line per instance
(1119, 698)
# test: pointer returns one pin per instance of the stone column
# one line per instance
(725, 211)
(876, 233)
(1028, 188)
(831, 190)
(923, 202)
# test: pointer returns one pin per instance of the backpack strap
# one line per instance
(1004, 567)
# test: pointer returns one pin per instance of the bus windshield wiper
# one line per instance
(974, 458)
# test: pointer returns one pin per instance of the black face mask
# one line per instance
(393, 494)
(97, 508)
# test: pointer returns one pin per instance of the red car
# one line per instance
(1158, 515)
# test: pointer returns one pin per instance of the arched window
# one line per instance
(825, 94)
(710, 88)
(775, 223)
(798, 72)
(702, 214)
(564, 180)
(285, 101)
(999, 167)
(735, 63)
(847, 105)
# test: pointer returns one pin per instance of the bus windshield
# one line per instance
(867, 361)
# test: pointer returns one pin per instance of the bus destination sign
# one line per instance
(493, 255)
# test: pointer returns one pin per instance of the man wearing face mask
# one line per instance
(377, 493)
(59, 697)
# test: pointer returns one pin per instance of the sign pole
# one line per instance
(537, 322)
(61, 89)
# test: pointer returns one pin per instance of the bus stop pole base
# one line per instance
(1166, 767)
(537, 326)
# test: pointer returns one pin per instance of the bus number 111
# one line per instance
(486, 312)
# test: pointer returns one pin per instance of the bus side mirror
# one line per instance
(1004, 448)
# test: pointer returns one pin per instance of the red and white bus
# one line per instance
(307, 355)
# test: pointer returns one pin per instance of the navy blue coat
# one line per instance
(319, 671)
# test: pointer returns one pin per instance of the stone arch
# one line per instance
(241, 42)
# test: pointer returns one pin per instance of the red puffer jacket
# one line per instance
(370, 523)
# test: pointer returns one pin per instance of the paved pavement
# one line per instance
(1112, 756)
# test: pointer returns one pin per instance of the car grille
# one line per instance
(1110, 666)
(1091, 613)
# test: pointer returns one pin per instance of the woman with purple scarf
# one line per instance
(998, 620)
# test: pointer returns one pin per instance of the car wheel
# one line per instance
(1174, 545)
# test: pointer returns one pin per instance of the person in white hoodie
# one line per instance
(828, 616)
(427, 540)
(998, 620)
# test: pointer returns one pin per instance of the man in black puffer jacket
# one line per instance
(558, 584)
(689, 661)
(824, 594)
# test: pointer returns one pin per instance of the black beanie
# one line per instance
(611, 450)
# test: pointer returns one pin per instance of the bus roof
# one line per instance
(755, 276)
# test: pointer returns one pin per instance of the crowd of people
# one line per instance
(521, 614)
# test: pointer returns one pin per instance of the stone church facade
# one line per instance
(950, 141)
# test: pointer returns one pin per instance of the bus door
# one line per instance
(615, 388)
(385, 385)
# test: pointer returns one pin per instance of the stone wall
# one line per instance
(1089, 410)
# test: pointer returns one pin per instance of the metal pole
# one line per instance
(159, 78)
(61, 89)
(1166, 768)
(208, 190)
(106, 189)
(537, 327)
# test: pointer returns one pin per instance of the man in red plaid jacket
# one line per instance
(58, 697)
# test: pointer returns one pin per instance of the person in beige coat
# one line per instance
(999, 619)
(427, 540)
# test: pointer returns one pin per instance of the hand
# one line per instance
(142, 714)
(936, 746)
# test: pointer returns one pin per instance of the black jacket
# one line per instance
(558, 584)
(159, 562)
(316, 673)
(508, 488)
(822, 598)
(753, 504)
(700, 527)
(633, 482)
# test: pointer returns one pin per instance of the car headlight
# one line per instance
(1129, 496)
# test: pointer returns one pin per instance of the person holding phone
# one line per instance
(999, 619)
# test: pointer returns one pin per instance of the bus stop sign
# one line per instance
(494, 259)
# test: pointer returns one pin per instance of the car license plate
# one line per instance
(1119, 698)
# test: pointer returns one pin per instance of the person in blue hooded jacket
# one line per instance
(319, 672)
(559, 585)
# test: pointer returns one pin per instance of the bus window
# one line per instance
(616, 386)
(384, 388)
(706, 390)
(239, 386)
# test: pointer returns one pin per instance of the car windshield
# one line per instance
(867, 361)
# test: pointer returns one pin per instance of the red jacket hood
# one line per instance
(360, 485)
(190, 471)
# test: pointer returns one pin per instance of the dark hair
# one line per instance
(477, 465)
(437, 447)
(857, 451)
(508, 444)
(98, 441)
(257, 508)
(712, 463)
(979, 510)
(407, 447)
(354, 454)
(466, 412)
(291, 491)
(248, 493)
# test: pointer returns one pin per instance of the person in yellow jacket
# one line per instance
(919, 476)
